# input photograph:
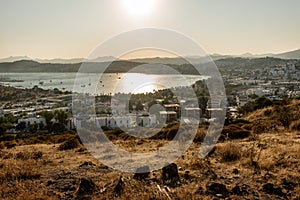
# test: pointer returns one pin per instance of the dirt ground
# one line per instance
(262, 167)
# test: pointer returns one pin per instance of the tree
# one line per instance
(202, 103)
(139, 106)
(48, 115)
(21, 126)
(41, 125)
(58, 127)
(262, 102)
(33, 127)
(61, 116)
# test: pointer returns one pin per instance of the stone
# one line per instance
(170, 172)
(235, 171)
(240, 190)
(86, 186)
(288, 185)
(87, 163)
(142, 173)
(200, 190)
(216, 188)
(186, 175)
(271, 189)
(119, 187)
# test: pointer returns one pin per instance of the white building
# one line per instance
(146, 120)
(33, 120)
(193, 112)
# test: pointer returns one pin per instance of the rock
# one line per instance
(38, 155)
(240, 190)
(119, 187)
(271, 189)
(200, 190)
(170, 172)
(86, 186)
(86, 163)
(49, 182)
(142, 173)
(216, 188)
(235, 171)
(186, 174)
(288, 185)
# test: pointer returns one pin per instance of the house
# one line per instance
(193, 112)
(146, 120)
(168, 116)
(33, 120)
(173, 108)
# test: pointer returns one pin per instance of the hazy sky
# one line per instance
(73, 28)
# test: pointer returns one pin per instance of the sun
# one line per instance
(138, 8)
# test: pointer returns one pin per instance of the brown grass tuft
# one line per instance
(229, 152)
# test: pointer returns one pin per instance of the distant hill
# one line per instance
(58, 60)
(180, 60)
(156, 60)
(286, 55)
(123, 66)
(29, 66)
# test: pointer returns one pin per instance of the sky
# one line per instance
(49, 29)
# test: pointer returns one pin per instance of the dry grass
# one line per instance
(229, 152)
(42, 171)
(276, 156)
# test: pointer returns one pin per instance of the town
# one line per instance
(53, 110)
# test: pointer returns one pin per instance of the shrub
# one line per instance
(230, 152)
(69, 144)
(234, 132)
(58, 128)
(199, 137)
(7, 137)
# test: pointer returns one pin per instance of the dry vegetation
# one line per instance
(255, 159)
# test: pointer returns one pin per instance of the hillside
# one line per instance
(29, 66)
(261, 165)
(288, 55)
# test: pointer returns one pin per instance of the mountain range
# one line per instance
(285, 55)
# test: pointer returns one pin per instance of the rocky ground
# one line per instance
(266, 167)
(254, 159)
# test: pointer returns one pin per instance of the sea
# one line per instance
(107, 83)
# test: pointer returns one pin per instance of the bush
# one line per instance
(234, 132)
(58, 128)
(230, 152)
(262, 102)
(69, 144)
(7, 137)
(199, 137)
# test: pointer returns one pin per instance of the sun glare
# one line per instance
(138, 8)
